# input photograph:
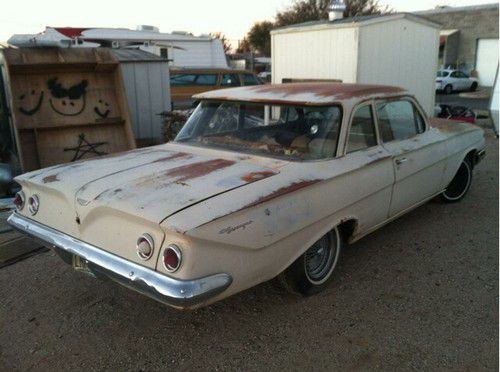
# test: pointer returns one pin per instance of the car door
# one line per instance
(372, 177)
(460, 80)
(465, 82)
(418, 153)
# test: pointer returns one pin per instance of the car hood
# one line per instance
(153, 183)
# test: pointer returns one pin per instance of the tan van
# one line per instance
(184, 83)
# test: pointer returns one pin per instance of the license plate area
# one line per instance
(81, 264)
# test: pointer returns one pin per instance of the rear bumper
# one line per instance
(173, 292)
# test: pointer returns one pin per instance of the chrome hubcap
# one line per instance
(320, 259)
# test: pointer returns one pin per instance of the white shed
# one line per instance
(395, 49)
(147, 86)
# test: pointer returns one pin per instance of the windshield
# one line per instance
(442, 74)
(286, 131)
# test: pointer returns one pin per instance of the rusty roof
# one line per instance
(302, 93)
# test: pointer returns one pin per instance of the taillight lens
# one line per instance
(172, 258)
(145, 247)
(439, 81)
(19, 200)
(33, 204)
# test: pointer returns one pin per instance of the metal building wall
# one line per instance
(318, 53)
(147, 85)
(403, 53)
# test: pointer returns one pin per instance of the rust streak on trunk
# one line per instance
(172, 157)
(256, 176)
(282, 191)
(51, 178)
(200, 169)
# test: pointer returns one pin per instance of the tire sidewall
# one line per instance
(448, 199)
(296, 278)
(448, 89)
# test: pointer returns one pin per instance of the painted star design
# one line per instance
(85, 147)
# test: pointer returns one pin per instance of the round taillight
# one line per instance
(145, 247)
(172, 258)
(33, 204)
(19, 200)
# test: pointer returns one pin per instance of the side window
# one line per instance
(399, 120)
(362, 132)
(206, 79)
(230, 80)
(455, 74)
(249, 79)
(182, 80)
(462, 75)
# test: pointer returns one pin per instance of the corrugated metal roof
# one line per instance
(136, 55)
(359, 20)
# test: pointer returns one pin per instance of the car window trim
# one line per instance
(415, 104)
(351, 118)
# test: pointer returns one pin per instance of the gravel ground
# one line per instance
(421, 293)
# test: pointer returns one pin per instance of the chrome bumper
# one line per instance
(170, 291)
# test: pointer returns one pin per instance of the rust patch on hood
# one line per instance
(51, 178)
(189, 171)
(256, 176)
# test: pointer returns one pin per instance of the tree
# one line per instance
(314, 10)
(259, 37)
(244, 46)
(225, 42)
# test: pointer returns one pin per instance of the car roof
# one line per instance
(303, 93)
(177, 70)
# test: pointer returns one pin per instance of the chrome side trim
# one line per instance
(170, 291)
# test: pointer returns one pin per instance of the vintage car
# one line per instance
(261, 182)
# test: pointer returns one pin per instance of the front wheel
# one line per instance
(473, 87)
(312, 271)
(460, 184)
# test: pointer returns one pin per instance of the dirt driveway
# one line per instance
(421, 293)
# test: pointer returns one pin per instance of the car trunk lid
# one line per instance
(152, 183)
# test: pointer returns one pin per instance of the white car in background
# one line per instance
(448, 81)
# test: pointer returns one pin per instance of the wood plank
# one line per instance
(101, 122)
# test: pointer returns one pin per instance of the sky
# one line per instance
(231, 17)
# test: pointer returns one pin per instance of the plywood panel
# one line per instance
(63, 147)
(66, 99)
(64, 94)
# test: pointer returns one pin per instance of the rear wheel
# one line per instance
(460, 184)
(448, 89)
(312, 271)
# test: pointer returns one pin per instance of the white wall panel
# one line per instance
(317, 54)
(401, 53)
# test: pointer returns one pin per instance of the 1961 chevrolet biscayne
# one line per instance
(262, 181)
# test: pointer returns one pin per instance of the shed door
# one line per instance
(487, 61)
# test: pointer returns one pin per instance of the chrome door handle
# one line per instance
(401, 161)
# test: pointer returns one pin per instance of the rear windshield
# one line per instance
(285, 131)
(442, 74)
